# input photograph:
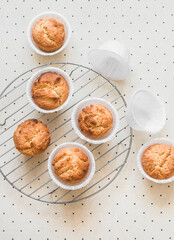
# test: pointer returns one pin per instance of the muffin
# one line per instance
(48, 34)
(31, 137)
(95, 120)
(158, 161)
(50, 90)
(70, 164)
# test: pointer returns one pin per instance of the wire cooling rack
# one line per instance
(29, 175)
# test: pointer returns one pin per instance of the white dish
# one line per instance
(140, 154)
(146, 112)
(33, 79)
(43, 15)
(110, 134)
(111, 60)
(85, 180)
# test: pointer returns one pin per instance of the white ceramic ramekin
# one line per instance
(33, 79)
(140, 154)
(111, 60)
(146, 112)
(85, 180)
(43, 15)
(110, 134)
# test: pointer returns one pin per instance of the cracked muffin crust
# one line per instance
(70, 164)
(158, 161)
(48, 34)
(31, 137)
(50, 91)
(95, 120)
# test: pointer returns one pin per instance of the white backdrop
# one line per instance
(131, 207)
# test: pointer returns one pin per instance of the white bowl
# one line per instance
(110, 134)
(111, 60)
(33, 79)
(146, 112)
(140, 154)
(85, 180)
(43, 15)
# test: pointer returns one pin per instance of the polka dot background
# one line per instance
(131, 207)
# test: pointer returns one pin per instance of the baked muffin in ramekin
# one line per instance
(71, 165)
(31, 137)
(95, 120)
(156, 160)
(48, 33)
(49, 90)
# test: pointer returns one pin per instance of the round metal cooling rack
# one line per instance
(29, 175)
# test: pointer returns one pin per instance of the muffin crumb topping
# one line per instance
(48, 34)
(50, 90)
(95, 120)
(70, 164)
(158, 161)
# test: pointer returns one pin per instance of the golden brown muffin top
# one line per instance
(50, 91)
(48, 34)
(31, 137)
(70, 164)
(95, 120)
(158, 161)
